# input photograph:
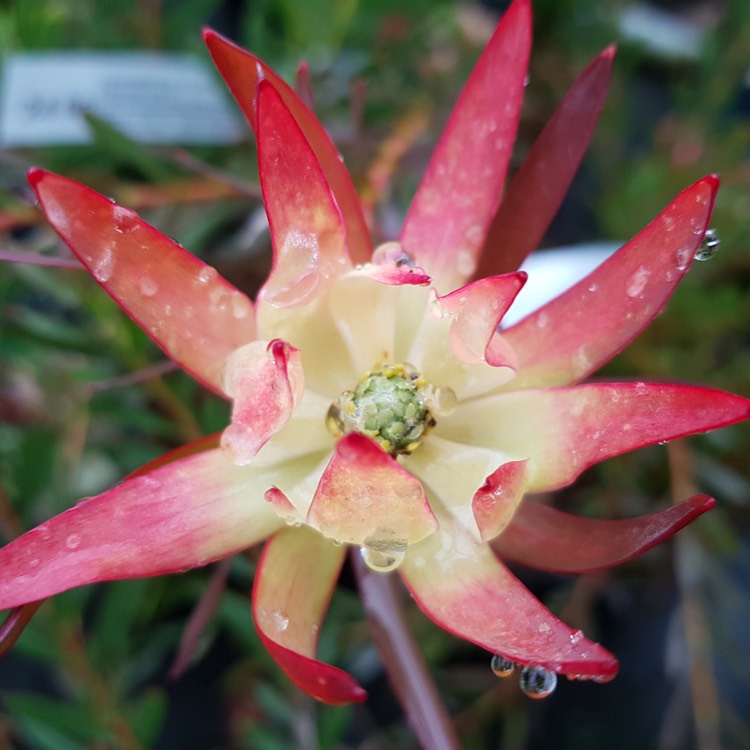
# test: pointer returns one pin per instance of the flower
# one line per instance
(376, 401)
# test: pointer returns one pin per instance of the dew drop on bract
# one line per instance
(709, 245)
(280, 620)
(538, 682)
(103, 266)
(501, 666)
(442, 401)
(148, 286)
(206, 274)
(383, 554)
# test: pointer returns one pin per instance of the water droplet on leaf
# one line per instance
(537, 682)
(501, 666)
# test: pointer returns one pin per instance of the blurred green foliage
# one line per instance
(74, 422)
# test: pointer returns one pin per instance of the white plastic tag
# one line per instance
(151, 97)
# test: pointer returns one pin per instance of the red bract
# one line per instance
(376, 400)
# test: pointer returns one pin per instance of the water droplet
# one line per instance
(240, 307)
(465, 263)
(392, 254)
(104, 266)
(576, 637)
(383, 554)
(709, 245)
(148, 286)
(126, 221)
(682, 258)
(280, 620)
(443, 401)
(73, 541)
(542, 320)
(501, 666)
(538, 682)
(206, 274)
(638, 281)
(474, 235)
(295, 293)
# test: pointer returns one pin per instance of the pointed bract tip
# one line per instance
(523, 8)
(609, 670)
(713, 180)
(609, 52)
(525, 4)
(703, 503)
(35, 175)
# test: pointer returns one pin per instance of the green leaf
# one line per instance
(125, 150)
(114, 619)
(146, 715)
(52, 720)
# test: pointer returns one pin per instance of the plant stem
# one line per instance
(403, 661)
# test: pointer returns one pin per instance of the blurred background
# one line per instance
(86, 398)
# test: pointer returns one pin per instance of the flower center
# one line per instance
(393, 404)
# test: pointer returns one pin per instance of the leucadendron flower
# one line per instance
(377, 401)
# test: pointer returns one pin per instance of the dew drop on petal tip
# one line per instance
(501, 666)
(537, 682)
(709, 246)
(383, 555)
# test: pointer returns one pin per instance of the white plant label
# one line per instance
(150, 97)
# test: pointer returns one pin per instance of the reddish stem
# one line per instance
(403, 661)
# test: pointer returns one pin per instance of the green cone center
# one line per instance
(389, 404)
